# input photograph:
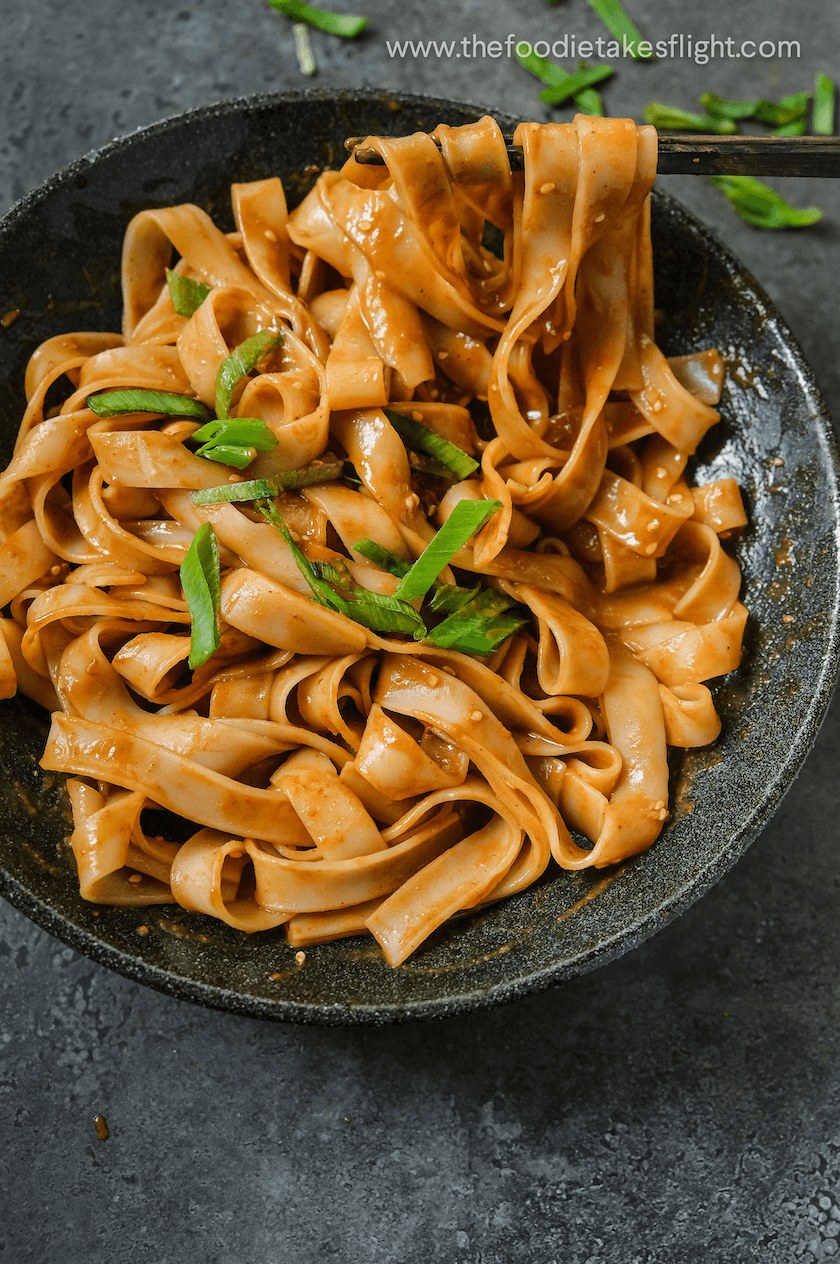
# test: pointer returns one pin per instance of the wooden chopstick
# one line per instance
(697, 155)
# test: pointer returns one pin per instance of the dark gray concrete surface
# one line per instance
(681, 1104)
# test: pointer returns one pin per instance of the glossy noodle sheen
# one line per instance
(336, 779)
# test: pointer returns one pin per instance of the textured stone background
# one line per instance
(681, 1104)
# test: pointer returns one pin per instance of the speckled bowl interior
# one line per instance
(59, 266)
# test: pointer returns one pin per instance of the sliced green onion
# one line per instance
(303, 49)
(321, 590)
(796, 128)
(724, 107)
(187, 295)
(479, 618)
(228, 454)
(822, 119)
(576, 82)
(761, 206)
(548, 72)
(234, 441)
(241, 361)
(416, 435)
(248, 432)
(200, 580)
(344, 24)
(373, 610)
(377, 611)
(115, 403)
(447, 598)
(618, 23)
(588, 101)
(480, 625)
(786, 111)
(670, 117)
(462, 523)
(777, 114)
(427, 466)
(323, 471)
(382, 557)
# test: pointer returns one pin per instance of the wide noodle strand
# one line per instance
(335, 779)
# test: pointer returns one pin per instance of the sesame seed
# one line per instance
(476, 716)
(443, 355)
(650, 548)
(300, 957)
(548, 187)
(142, 930)
(270, 235)
(136, 877)
(417, 416)
(600, 217)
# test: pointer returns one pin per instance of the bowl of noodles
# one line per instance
(431, 569)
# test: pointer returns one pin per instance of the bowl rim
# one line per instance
(610, 946)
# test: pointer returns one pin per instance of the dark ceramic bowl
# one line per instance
(59, 265)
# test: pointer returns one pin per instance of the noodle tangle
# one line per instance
(337, 777)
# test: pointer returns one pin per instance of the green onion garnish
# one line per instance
(200, 579)
(724, 107)
(588, 101)
(241, 361)
(576, 82)
(788, 110)
(234, 441)
(376, 611)
(548, 72)
(372, 610)
(187, 295)
(822, 119)
(115, 403)
(760, 205)
(320, 589)
(481, 624)
(382, 557)
(479, 618)
(303, 49)
(416, 435)
(324, 471)
(462, 523)
(668, 117)
(618, 23)
(776, 114)
(344, 24)
(796, 128)
(427, 465)
(445, 597)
